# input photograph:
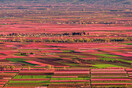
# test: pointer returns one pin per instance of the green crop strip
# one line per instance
(105, 65)
(108, 59)
(112, 81)
(30, 81)
(106, 55)
(15, 59)
(113, 59)
(28, 63)
(71, 64)
(68, 51)
(69, 82)
(26, 85)
(124, 60)
(128, 43)
(19, 60)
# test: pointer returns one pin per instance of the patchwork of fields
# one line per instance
(66, 78)
(78, 44)
(65, 65)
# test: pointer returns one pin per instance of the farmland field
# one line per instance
(66, 44)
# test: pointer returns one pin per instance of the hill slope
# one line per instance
(105, 2)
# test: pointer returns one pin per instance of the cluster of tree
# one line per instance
(43, 34)
(60, 34)
(84, 22)
(7, 67)
(71, 40)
